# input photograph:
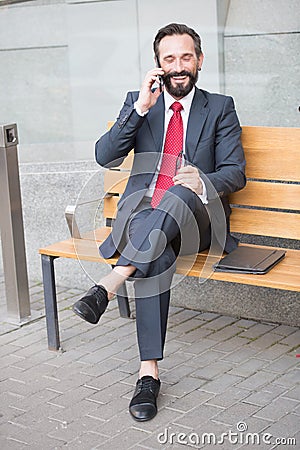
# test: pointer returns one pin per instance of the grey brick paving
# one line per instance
(218, 371)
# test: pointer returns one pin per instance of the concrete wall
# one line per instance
(35, 90)
(68, 64)
(262, 65)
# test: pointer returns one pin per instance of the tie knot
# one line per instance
(176, 107)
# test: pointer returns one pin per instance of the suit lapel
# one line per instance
(156, 120)
(197, 118)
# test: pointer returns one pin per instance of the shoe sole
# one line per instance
(143, 420)
(81, 315)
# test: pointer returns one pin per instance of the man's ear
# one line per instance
(200, 61)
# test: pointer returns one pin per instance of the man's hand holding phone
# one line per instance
(147, 97)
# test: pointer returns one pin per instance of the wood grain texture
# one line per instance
(265, 223)
(115, 181)
(271, 154)
(268, 195)
(283, 276)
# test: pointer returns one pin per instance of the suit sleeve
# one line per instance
(114, 146)
(229, 174)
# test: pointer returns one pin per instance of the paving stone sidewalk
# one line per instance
(226, 383)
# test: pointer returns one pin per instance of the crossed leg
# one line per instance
(149, 258)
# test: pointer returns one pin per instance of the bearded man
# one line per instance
(187, 154)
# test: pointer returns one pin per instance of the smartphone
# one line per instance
(161, 82)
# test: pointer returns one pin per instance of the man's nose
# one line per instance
(178, 66)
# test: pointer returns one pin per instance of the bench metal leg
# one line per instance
(123, 302)
(50, 302)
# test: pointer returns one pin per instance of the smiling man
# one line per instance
(187, 153)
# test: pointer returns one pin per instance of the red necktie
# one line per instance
(173, 146)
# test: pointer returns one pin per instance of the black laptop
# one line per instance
(253, 260)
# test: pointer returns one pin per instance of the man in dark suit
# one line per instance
(188, 158)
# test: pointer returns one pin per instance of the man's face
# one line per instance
(178, 59)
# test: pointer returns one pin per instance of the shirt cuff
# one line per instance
(203, 196)
(139, 112)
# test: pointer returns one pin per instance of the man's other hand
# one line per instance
(189, 177)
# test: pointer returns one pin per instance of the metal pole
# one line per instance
(12, 230)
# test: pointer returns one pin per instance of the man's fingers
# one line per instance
(187, 169)
(186, 174)
(181, 179)
(153, 74)
(147, 98)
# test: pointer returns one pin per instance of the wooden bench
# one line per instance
(268, 206)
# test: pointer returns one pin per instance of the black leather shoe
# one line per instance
(143, 403)
(92, 305)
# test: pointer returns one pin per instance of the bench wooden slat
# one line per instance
(110, 207)
(256, 193)
(288, 269)
(265, 150)
(83, 249)
(272, 153)
(268, 195)
(127, 163)
(265, 223)
(115, 181)
(247, 221)
(99, 234)
(284, 276)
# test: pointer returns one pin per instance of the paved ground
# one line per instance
(221, 375)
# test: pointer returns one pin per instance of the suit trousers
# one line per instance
(179, 226)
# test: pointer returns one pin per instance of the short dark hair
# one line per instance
(177, 28)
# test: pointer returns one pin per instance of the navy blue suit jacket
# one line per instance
(212, 144)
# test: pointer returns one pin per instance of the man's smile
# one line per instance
(179, 78)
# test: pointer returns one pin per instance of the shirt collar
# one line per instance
(185, 101)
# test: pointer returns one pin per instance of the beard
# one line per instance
(180, 90)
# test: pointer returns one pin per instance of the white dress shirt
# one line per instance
(186, 103)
